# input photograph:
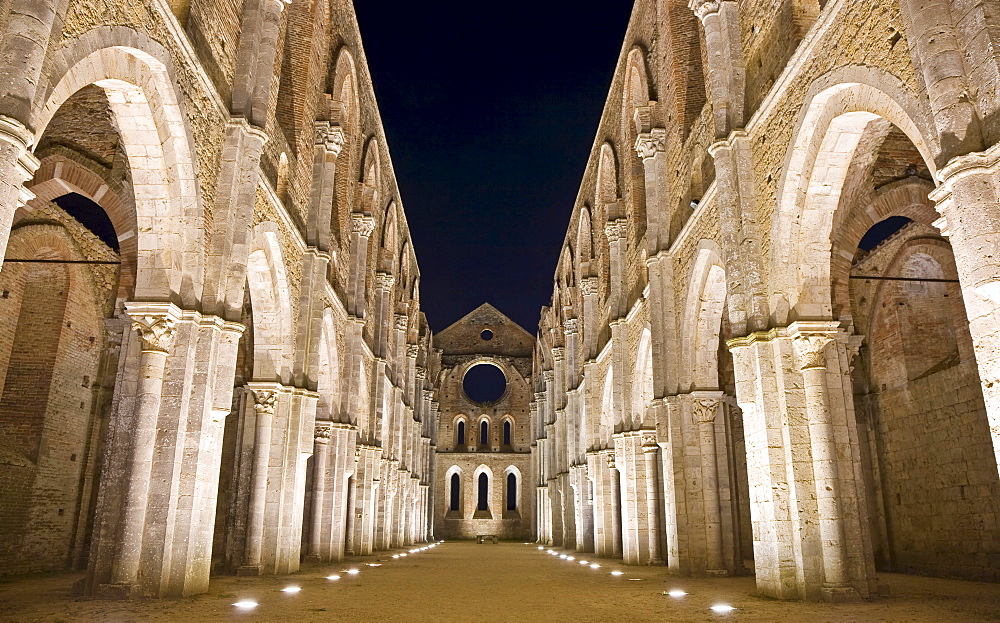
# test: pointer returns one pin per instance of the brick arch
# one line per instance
(702, 320)
(642, 379)
(903, 198)
(635, 118)
(345, 110)
(838, 109)
(270, 298)
(138, 80)
(59, 175)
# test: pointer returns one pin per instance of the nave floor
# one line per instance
(464, 581)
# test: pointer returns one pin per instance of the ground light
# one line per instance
(353, 571)
(540, 547)
(722, 608)
(374, 564)
(333, 577)
(583, 562)
(291, 589)
(570, 558)
(395, 555)
(403, 555)
(617, 573)
(595, 566)
(677, 593)
(246, 604)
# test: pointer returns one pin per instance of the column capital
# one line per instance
(322, 432)
(384, 281)
(705, 409)
(616, 230)
(362, 224)
(264, 400)
(588, 285)
(704, 8)
(571, 326)
(558, 353)
(610, 458)
(330, 137)
(548, 375)
(810, 339)
(155, 323)
(412, 351)
(649, 144)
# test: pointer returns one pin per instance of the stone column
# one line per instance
(968, 196)
(726, 71)
(320, 459)
(328, 144)
(810, 349)
(706, 409)
(155, 325)
(616, 506)
(650, 451)
(17, 166)
(617, 233)
(265, 397)
(362, 226)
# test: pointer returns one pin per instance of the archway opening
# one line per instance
(460, 436)
(456, 488)
(483, 502)
(511, 492)
(484, 383)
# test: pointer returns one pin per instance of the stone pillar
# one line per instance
(650, 452)
(320, 477)
(155, 325)
(706, 409)
(362, 226)
(811, 351)
(968, 197)
(17, 166)
(328, 144)
(617, 233)
(811, 534)
(726, 71)
(265, 401)
(616, 506)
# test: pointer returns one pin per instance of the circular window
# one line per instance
(484, 383)
(486, 335)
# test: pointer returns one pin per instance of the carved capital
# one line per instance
(322, 432)
(362, 224)
(810, 349)
(539, 396)
(264, 400)
(612, 464)
(329, 137)
(572, 326)
(705, 409)
(648, 144)
(155, 331)
(402, 320)
(412, 350)
(588, 285)
(548, 375)
(420, 372)
(616, 230)
(384, 281)
(558, 353)
(648, 440)
(704, 8)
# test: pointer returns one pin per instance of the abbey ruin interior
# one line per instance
(772, 348)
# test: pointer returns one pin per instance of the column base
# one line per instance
(250, 570)
(717, 573)
(840, 594)
(118, 592)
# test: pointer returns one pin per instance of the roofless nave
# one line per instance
(238, 376)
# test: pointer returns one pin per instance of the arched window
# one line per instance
(484, 433)
(461, 434)
(456, 487)
(511, 492)
(484, 489)
(506, 433)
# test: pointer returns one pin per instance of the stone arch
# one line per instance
(481, 496)
(455, 490)
(635, 118)
(835, 114)
(346, 111)
(270, 297)
(460, 425)
(635, 92)
(515, 495)
(642, 379)
(390, 236)
(484, 424)
(608, 420)
(702, 320)
(136, 75)
(584, 243)
(328, 372)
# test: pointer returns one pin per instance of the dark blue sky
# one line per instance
(490, 115)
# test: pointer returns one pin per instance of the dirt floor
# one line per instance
(464, 581)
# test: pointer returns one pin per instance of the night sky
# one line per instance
(490, 111)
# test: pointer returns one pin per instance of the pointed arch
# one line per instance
(270, 297)
(642, 378)
(328, 373)
(702, 320)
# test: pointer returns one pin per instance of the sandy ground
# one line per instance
(464, 581)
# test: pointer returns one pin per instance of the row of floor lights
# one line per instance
(249, 604)
(676, 593)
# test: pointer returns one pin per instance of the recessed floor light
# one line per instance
(595, 566)
(374, 564)
(353, 571)
(583, 562)
(617, 573)
(677, 593)
(333, 577)
(246, 605)
(291, 589)
(722, 608)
